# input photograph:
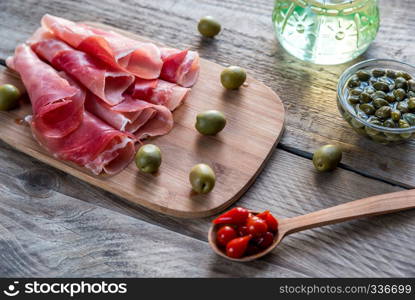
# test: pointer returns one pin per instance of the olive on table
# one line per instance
(210, 122)
(202, 178)
(148, 158)
(327, 158)
(233, 77)
(9, 96)
(208, 26)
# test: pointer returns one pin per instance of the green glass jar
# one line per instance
(326, 31)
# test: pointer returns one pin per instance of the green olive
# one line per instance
(9, 96)
(411, 103)
(354, 99)
(233, 77)
(356, 91)
(411, 85)
(378, 72)
(383, 112)
(202, 178)
(327, 158)
(401, 83)
(365, 97)
(363, 75)
(399, 94)
(389, 123)
(148, 158)
(210, 122)
(367, 108)
(379, 102)
(410, 118)
(402, 107)
(403, 124)
(404, 75)
(208, 26)
(353, 82)
(381, 86)
(390, 98)
(379, 94)
(391, 74)
(395, 115)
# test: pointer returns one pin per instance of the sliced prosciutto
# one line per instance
(158, 92)
(138, 117)
(139, 58)
(94, 144)
(57, 105)
(104, 81)
(181, 67)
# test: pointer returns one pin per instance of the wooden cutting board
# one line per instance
(255, 121)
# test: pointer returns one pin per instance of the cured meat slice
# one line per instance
(139, 58)
(141, 118)
(106, 82)
(94, 145)
(158, 92)
(57, 106)
(181, 67)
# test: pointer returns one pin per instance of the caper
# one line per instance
(354, 99)
(411, 85)
(353, 82)
(389, 123)
(148, 158)
(378, 72)
(210, 122)
(395, 115)
(208, 26)
(390, 97)
(383, 112)
(233, 77)
(327, 158)
(410, 118)
(9, 96)
(202, 178)
(399, 94)
(379, 94)
(402, 107)
(365, 97)
(356, 91)
(381, 86)
(404, 75)
(401, 83)
(379, 102)
(411, 103)
(391, 74)
(363, 75)
(367, 108)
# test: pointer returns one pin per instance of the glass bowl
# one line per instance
(377, 133)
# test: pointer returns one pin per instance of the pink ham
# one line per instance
(104, 81)
(141, 118)
(181, 67)
(93, 145)
(158, 92)
(141, 59)
(57, 106)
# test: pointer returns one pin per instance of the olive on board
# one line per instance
(9, 96)
(327, 158)
(210, 122)
(208, 26)
(232, 77)
(202, 178)
(148, 158)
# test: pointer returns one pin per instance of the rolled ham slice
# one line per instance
(138, 117)
(158, 92)
(104, 81)
(94, 144)
(57, 105)
(141, 59)
(181, 67)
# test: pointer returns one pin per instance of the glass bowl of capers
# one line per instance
(377, 98)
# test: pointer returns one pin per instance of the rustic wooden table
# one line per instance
(52, 224)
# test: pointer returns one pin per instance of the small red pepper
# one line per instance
(265, 240)
(236, 248)
(225, 234)
(235, 216)
(256, 226)
(270, 219)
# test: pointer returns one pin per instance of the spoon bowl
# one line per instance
(376, 205)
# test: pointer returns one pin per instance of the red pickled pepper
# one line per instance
(236, 248)
(236, 215)
(225, 234)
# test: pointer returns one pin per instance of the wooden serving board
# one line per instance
(255, 122)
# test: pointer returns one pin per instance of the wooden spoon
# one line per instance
(372, 206)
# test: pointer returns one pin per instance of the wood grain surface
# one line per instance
(53, 224)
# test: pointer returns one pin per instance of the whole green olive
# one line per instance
(232, 77)
(9, 96)
(363, 75)
(148, 158)
(210, 122)
(202, 178)
(208, 26)
(378, 72)
(327, 158)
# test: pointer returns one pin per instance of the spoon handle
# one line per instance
(376, 205)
